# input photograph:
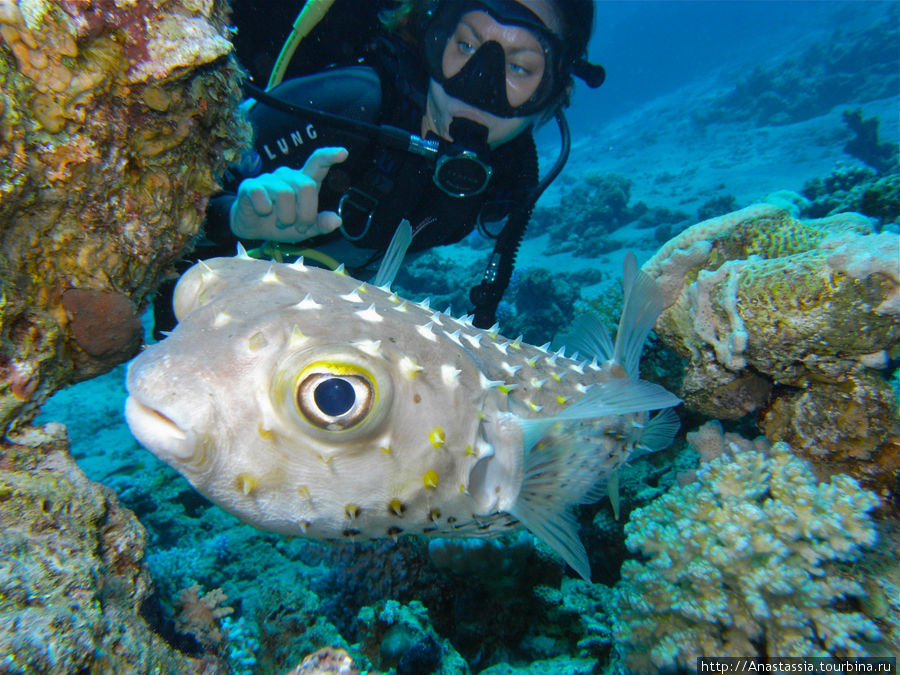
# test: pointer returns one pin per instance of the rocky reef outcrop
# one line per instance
(792, 320)
(115, 121)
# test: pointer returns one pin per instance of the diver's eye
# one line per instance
(335, 402)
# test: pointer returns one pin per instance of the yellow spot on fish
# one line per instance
(396, 507)
(557, 377)
(246, 483)
(532, 361)
(387, 449)
(462, 488)
(437, 438)
(304, 492)
(506, 388)
(469, 451)
(351, 511)
(434, 514)
(561, 399)
(517, 344)
(534, 406)
(257, 341)
(431, 479)
(265, 434)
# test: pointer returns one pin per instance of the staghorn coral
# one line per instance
(73, 585)
(794, 318)
(115, 120)
(752, 558)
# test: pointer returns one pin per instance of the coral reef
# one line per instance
(326, 661)
(73, 587)
(115, 121)
(589, 210)
(794, 319)
(753, 558)
(865, 144)
(400, 638)
(851, 67)
(858, 189)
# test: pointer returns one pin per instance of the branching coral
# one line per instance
(746, 561)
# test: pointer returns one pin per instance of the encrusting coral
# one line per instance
(747, 560)
(115, 120)
(794, 318)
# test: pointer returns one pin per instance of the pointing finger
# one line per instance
(321, 160)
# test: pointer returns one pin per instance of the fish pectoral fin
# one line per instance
(554, 478)
(556, 528)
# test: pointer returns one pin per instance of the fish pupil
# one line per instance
(334, 396)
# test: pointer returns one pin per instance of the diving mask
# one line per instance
(482, 80)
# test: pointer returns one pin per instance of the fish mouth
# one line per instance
(157, 431)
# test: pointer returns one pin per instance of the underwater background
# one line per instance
(709, 108)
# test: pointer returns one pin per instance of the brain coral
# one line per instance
(115, 119)
(747, 560)
(793, 317)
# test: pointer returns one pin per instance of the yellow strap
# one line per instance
(307, 19)
(272, 250)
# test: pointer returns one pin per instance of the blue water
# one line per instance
(652, 48)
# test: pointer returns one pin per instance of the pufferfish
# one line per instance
(309, 403)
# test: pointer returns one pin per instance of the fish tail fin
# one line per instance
(568, 471)
(642, 304)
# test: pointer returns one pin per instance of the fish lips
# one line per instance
(159, 432)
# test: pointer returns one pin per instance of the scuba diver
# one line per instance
(430, 122)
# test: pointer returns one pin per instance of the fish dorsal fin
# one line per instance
(590, 336)
(394, 255)
(642, 304)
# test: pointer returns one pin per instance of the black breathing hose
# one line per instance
(487, 295)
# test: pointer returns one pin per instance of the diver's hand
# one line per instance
(284, 205)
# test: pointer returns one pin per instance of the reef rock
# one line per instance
(793, 319)
(115, 119)
(72, 580)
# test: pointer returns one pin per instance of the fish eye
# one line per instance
(335, 401)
